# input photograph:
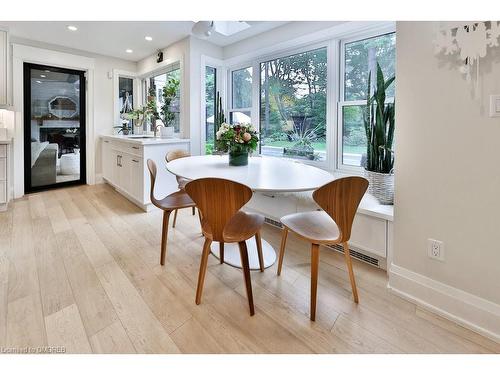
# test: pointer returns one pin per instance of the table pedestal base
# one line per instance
(232, 254)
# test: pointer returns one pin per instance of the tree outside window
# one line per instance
(293, 106)
(210, 94)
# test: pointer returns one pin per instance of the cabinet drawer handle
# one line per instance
(106, 141)
(135, 147)
(135, 161)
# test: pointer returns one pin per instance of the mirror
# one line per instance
(63, 107)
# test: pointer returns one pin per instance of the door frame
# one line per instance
(24, 53)
(27, 67)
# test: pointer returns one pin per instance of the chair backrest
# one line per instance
(152, 175)
(340, 199)
(176, 154)
(218, 200)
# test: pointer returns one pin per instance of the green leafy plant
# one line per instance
(236, 138)
(123, 128)
(379, 124)
(169, 93)
(219, 117)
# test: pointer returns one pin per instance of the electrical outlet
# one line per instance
(435, 249)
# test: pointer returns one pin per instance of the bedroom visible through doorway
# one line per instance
(54, 127)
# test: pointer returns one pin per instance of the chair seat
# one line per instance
(176, 200)
(242, 226)
(316, 226)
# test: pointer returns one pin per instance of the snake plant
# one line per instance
(379, 126)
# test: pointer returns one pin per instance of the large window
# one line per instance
(210, 104)
(157, 83)
(311, 102)
(293, 106)
(360, 58)
(241, 96)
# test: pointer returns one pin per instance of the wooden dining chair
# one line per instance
(171, 202)
(340, 200)
(219, 201)
(181, 181)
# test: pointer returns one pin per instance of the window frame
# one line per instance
(335, 45)
(341, 102)
(145, 86)
(256, 90)
(203, 98)
(230, 107)
(221, 86)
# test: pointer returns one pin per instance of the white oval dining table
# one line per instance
(262, 174)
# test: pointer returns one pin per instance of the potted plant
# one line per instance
(238, 141)
(124, 128)
(379, 127)
(139, 115)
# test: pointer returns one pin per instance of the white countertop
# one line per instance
(147, 140)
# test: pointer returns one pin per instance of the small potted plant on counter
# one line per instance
(379, 127)
(237, 140)
(124, 128)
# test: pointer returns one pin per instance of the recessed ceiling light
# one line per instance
(72, 28)
(47, 71)
(148, 38)
(128, 50)
(38, 81)
(42, 76)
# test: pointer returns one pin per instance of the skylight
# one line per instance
(228, 28)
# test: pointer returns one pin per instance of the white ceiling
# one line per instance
(112, 38)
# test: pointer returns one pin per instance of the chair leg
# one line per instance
(282, 249)
(164, 236)
(203, 269)
(199, 217)
(246, 274)
(194, 211)
(221, 252)
(314, 278)
(175, 218)
(351, 272)
(258, 240)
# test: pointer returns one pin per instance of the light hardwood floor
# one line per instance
(79, 268)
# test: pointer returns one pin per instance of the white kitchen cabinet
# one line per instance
(136, 177)
(114, 173)
(124, 166)
(108, 160)
(4, 174)
(4, 65)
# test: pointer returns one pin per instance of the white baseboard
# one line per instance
(470, 311)
(99, 179)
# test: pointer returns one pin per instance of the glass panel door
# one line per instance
(54, 127)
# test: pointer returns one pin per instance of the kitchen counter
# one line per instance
(145, 140)
(124, 165)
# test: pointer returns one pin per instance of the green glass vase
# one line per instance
(238, 158)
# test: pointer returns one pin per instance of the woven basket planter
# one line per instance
(381, 186)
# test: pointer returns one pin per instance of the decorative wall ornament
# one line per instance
(469, 42)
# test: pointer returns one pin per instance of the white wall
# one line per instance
(103, 98)
(447, 183)
(189, 52)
